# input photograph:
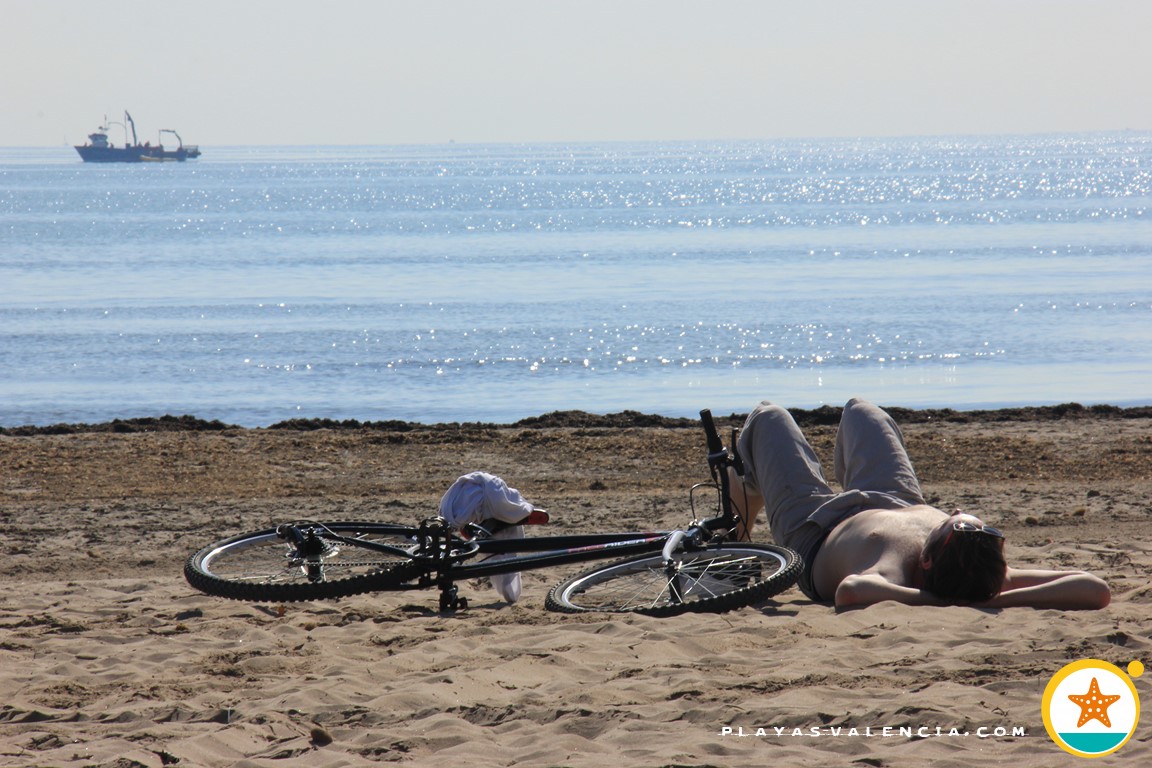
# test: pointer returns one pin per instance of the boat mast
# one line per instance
(131, 122)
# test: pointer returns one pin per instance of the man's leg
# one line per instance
(781, 465)
(870, 454)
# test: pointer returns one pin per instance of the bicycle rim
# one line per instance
(263, 566)
(713, 580)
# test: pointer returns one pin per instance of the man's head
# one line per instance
(963, 560)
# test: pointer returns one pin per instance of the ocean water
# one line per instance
(496, 282)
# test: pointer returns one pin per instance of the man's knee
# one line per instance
(862, 412)
(765, 424)
(766, 410)
(760, 433)
(768, 429)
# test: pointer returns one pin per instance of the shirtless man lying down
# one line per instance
(877, 540)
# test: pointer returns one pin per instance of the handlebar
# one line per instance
(719, 460)
(715, 447)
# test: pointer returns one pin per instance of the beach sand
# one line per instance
(108, 658)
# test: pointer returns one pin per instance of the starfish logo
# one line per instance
(1094, 705)
(1091, 707)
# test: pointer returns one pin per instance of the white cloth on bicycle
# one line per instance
(480, 496)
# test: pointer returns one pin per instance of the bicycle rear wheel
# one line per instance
(327, 562)
(712, 580)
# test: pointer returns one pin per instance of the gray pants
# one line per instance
(871, 465)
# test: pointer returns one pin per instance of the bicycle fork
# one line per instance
(672, 566)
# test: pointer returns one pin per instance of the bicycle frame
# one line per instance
(549, 551)
(445, 554)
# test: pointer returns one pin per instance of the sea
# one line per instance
(491, 283)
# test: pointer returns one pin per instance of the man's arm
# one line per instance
(1064, 590)
(862, 590)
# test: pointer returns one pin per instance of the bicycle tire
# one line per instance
(261, 566)
(712, 580)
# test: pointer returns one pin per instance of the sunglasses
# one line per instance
(963, 526)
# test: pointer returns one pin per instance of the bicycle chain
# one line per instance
(356, 563)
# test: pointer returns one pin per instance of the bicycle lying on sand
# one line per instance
(699, 568)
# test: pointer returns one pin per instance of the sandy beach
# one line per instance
(108, 658)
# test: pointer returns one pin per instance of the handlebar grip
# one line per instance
(714, 443)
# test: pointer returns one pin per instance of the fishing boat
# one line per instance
(100, 150)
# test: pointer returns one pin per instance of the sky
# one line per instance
(289, 72)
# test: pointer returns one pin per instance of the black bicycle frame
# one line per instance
(553, 551)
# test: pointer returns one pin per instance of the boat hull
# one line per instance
(136, 154)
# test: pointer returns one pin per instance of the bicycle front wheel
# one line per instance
(322, 561)
(712, 580)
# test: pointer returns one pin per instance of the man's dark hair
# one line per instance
(969, 567)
